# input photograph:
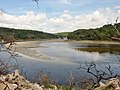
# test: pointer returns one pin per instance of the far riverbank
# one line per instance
(94, 42)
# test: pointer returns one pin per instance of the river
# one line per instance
(67, 57)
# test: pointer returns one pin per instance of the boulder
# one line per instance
(112, 84)
(115, 83)
(2, 86)
(2, 78)
(36, 87)
(12, 86)
(16, 73)
(15, 81)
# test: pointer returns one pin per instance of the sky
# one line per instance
(58, 15)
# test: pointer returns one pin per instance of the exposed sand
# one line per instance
(95, 42)
(26, 48)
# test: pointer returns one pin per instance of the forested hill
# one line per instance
(62, 34)
(107, 32)
(21, 34)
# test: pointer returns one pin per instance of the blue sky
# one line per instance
(56, 7)
(52, 10)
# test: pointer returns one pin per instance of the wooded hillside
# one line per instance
(107, 32)
(20, 34)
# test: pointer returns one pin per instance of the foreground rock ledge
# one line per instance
(111, 84)
(15, 81)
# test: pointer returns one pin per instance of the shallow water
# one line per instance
(67, 57)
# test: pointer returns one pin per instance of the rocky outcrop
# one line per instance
(112, 84)
(15, 81)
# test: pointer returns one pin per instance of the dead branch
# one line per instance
(6, 66)
(36, 3)
(99, 75)
(71, 81)
(115, 28)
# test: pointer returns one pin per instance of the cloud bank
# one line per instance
(63, 23)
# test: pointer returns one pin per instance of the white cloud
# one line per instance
(63, 23)
(28, 21)
(117, 7)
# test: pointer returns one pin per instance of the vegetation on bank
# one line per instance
(107, 32)
(21, 34)
(62, 34)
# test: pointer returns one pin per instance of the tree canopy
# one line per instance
(107, 32)
(20, 34)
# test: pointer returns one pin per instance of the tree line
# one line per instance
(107, 32)
(21, 34)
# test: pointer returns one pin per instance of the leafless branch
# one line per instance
(71, 81)
(6, 66)
(99, 75)
(36, 3)
(114, 26)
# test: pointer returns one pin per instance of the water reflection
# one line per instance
(112, 49)
(68, 56)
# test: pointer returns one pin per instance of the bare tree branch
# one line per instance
(98, 75)
(36, 2)
(115, 28)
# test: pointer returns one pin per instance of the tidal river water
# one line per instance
(67, 57)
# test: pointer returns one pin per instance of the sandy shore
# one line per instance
(27, 48)
(95, 42)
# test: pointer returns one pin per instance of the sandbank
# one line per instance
(27, 48)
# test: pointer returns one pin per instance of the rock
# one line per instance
(2, 78)
(13, 76)
(100, 88)
(115, 83)
(102, 84)
(2, 86)
(118, 88)
(27, 89)
(12, 86)
(112, 84)
(7, 86)
(36, 87)
(55, 88)
(15, 81)
(16, 73)
(9, 77)
(50, 87)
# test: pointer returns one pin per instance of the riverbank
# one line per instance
(94, 42)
